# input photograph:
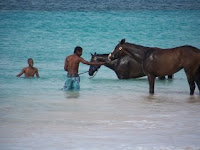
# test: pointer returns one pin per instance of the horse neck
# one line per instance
(137, 52)
(102, 57)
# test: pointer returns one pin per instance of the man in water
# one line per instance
(29, 71)
(72, 65)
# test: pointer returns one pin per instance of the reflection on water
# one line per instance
(172, 98)
(151, 97)
(193, 99)
(72, 94)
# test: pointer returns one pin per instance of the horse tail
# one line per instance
(199, 60)
(199, 70)
(198, 79)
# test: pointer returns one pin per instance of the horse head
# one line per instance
(118, 51)
(93, 68)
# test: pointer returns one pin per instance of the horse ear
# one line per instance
(122, 41)
(95, 53)
(91, 54)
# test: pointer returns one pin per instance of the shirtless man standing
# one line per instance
(72, 65)
(29, 71)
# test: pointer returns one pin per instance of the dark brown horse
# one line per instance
(160, 62)
(125, 67)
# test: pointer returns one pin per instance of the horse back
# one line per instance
(168, 61)
(182, 53)
(190, 52)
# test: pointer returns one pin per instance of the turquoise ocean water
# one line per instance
(106, 113)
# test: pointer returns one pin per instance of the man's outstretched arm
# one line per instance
(91, 63)
(23, 71)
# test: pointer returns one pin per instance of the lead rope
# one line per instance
(88, 71)
(83, 72)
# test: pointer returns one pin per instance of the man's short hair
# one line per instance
(77, 48)
(30, 59)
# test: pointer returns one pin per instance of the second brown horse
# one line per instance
(160, 62)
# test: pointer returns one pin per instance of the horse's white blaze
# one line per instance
(151, 57)
(109, 57)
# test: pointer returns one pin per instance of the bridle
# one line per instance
(94, 68)
(117, 53)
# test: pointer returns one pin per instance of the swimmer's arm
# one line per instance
(91, 63)
(37, 74)
(23, 71)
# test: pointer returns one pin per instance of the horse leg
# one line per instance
(151, 79)
(191, 81)
(170, 76)
(192, 85)
(161, 78)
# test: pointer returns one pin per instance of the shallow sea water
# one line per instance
(105, 115)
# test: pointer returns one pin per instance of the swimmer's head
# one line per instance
(30, 62)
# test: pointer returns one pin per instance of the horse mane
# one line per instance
(136, 45)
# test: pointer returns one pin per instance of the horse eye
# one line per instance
(120, 48)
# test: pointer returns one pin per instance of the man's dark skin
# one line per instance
(72, 63)
(29, 71)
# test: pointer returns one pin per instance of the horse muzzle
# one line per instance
(90, 73)
(111, 57)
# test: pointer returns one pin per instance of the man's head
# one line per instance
(30, 62)
(78, 50)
